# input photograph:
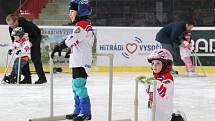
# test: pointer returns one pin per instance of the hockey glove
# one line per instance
(68, 53)
(10, 51)
(141, 78)
(58, 48)
(17, 52)
(144, 80)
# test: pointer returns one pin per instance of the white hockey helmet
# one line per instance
(18, 31)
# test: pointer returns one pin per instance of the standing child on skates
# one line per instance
(185, 50)
(21, 45)
(80, 42)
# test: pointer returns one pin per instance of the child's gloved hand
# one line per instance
(68, 54)
(145, 80)
(141, 78)
(10, 51)
(17, 52)
(58, 49)
(193, 49)
(150, 80)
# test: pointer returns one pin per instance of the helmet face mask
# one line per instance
(18, 32)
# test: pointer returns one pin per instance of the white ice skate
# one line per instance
(191, 74)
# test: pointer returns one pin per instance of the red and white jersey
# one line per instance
(164, 98)
(24, 45)
(81, 43)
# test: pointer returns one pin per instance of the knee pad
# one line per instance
(79, 88)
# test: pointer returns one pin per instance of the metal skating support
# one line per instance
(197, 61)
(56, 118)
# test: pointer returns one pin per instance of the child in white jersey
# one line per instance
(185, 50)
(161, 64)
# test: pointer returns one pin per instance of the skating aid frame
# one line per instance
(63, 117)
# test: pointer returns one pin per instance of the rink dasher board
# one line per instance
(23, 85)
(185, 75)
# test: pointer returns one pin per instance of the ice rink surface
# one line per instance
(195, 96)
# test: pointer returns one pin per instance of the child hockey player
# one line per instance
(185, 50)
(21, 45)
(161, 62)
(81, 43)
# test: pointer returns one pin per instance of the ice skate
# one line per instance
(191, 74)
(82, 117)
(71, 116)
(41, 81)
(26, 80)
(179, 116)
(6, 79)
(9, 79)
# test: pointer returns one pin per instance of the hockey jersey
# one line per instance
(164, 98)
(81, 43)
(23, 45)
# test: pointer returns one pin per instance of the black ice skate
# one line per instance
(82, 117)
(41, 81)
(10, 79)
(26, 80)
(71, 116)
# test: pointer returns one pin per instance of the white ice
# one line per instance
(195, 96)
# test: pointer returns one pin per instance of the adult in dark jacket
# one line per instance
(169, 37)
(35, 38)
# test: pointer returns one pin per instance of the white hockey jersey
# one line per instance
(24, 45)
(163, 100)
(81, 43)
(186, 49)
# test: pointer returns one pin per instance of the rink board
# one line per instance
(144, 69)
